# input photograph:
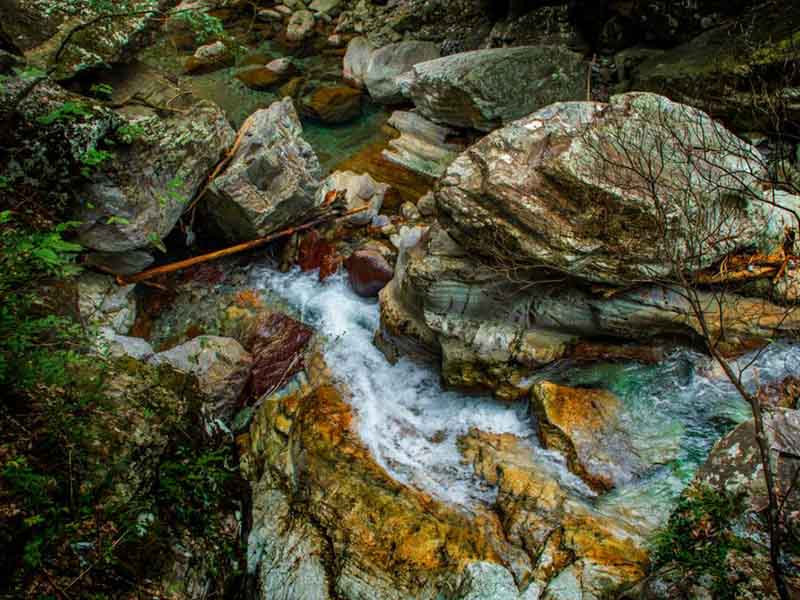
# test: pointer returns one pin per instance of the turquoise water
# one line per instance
(332, 143)
(672, 413)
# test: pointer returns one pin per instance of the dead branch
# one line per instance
(183, 264)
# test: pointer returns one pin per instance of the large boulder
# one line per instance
(493, 332)
(617, 198)
(271, 181)
(53, 36)
(485, 89)
(137, 197)
(728, 70)
(386, 63)
(356, 61)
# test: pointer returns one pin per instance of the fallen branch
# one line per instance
(183, 264)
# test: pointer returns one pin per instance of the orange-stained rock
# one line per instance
(303, 440)
(583, 424)
(554, 525)
(332, 104)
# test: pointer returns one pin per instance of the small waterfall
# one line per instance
(676, 409)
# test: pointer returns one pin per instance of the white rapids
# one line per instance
(411, 424)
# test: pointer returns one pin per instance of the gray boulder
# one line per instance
(422, 146)
(103, 303)
(136, 199)
(627, 185)
(272, 180)
(356, 61)
(485, 89)
(386, 63)
(222, 367)
(38, 28)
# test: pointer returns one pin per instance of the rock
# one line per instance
(209, 58)
(271, 181)
(332, 104)
(733, 468)
(386, 540)
(269, 14)
(120, 345)
(283, 10)
(123, 263)
(222, 368)
(325, 7)
(138, 195)
(368, 272)
(485, 89)
(427, 205)
(360, 190)
(492, 335)
(277, 344)
(755, 43)
(555, 525)
(584, 425)
(422, 146)
(543, 219)
(38, 30)
(103, 303)
(356, 61)
(260, 77)
(409, 211)
(300, 26)
(386, 63)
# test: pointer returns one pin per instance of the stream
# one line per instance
(676, 410)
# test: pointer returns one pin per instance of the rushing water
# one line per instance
(675, 411)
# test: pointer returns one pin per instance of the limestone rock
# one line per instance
(570, 209)
(221, 366)
(485, 89)
(360, 190)
(135, 200)
(103, 303)
(271, 181)
(584, 425)
(356, 61)
(386, 63)
(38, 28)
(558, 527)
(121, 263)
(492, 335)
(277, 343)
(423, 146)
(368, 272)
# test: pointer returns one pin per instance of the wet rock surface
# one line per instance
(485, 89)
(271, 181)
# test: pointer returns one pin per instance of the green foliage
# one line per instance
(193, 484)
(92, 159)
(69, 111)
(202, 24)
(699, 536)
(30, 335)
(102, 90)
(129, 133)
